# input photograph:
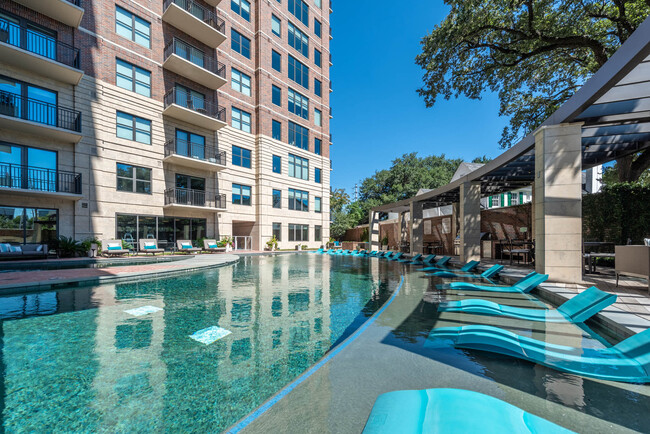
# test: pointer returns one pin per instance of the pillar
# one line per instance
(373, 231)
(470, 221)
(416, 228)
(558, 202)
(455, 227)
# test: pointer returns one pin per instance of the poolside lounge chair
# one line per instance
(212, 246)
(579, 309)
(487, 274)
(467, 268)
(396, 256)
(465, 271)
(412, 260)
(113, 247)
(186, 246)
(385, 254)
(525, 285)
(628, 361)
(149, 245)
(442, 262)
(451, 411)
(427, 260)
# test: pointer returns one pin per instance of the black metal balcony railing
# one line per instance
(39, 179)
(199, 105)
(75, 2)
(201, 12)
(197, 151)
(38, 43)
(185, 196)
(29, 109)
(196, 56)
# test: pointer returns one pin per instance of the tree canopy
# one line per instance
(534, 54)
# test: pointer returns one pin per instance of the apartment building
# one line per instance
(167, 119)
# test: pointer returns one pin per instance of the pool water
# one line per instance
(11, 267)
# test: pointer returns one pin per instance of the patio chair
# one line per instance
(186, 246)
(628, 361)
(212, 246)
(467, 268)
(525, 285)
(113, 248)
(149, 245)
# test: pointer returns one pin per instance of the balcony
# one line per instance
(195, 155)
(35, 181)
(182, 106)
(190, 62)
(67, 11)
(197, 21)
(33, 51)
(32, 116)
(183, 198)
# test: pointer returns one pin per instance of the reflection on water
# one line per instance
(76, 361)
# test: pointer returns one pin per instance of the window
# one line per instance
(133, 179)
(318, 58)
(276, 60)
(190, 145)
(318, 233)
(298, 136)
(300, 10)
(241, 157)
(39, 171)
(317, 175)
(241, 194)
(318, 87)
(276, 26)
(514, 199)
(28, 225)
(298, 104)
(298, 40)
(241, 82)
(277, 199)
(277, 130)
(276, 95)
(277, 230)
(132, 27)
(241, 120)
(318, 144)
(298, 232)
(130, 77)
(298, 72)
(133, 128)
(317, 27)
(277, 164)
(318, 204)
(318, 3)
(240, 43)
(298, 200)
(298, 167)
(318, 117)
(494, 201)
(241, 7)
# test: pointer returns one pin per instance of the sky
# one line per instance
(378, 115)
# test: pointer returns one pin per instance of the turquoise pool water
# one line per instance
(76, 361)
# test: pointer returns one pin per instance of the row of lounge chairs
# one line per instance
(150, 245)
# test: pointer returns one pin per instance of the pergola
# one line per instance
(607, 118)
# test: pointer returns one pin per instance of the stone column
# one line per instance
(455, 225)
(416, 228)
(470, 221)
(558, 202)
(373, 230)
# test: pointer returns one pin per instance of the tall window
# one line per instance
(298, 72)
(241, 157)
(130, 77)
(28, 225)
(277, 130)
(276, 26)
(298, 167)
(133, 128)
(318, 117)
(300, 10)
(277, 164)
(298, 200)
(277, 231)
(241, 194)
(298, 104)
(277, 199)
(241, 120)
(241, 82)
(318, 58)
(318, 144)
(298, 136)
(132, 27)
(276, 95)
(317, 27)
(298, 232)
(190, 145)
(318, 233)
(298, 40)
(276, 60)
(318, 204)
(317, 175)
(240, 43)
(241, 7)
(39, 174)
(189, 98)
(133, 178)
(318, 87)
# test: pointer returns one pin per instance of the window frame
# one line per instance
(275, 124)
(241, 188)
(298, 72)
(275, 55)
(276, 95)
(133, 127)
(238, 39)
(277, 159)
(242, 157)
(240, 11)
(318, 175)
(300, 10)
(133, 78)
(298, 104)
(134, 32)
(240, 119)
(133, 179)
(298, 130)
(278, 196)
(297, 39)
(236, 73)
(276, 20)
(298, 167)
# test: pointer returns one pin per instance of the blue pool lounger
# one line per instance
(442, 262)
(525, 285)
(579, 309)
(451, 411)
(487, 274)
(628, 361)
(396, 256)
(467, 268)
(412, 260)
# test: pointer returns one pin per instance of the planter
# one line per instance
(299, 247)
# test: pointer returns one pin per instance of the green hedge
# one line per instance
(618, 213)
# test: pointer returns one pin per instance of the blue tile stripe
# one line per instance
(284, 392)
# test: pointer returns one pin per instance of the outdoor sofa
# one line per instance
(150, 246)
(23, 251)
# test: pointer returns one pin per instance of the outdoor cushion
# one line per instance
(16, 249)
(186, 246)
(5, 247)
(213, 246)
(39, 248)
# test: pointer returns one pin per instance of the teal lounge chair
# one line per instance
(525, 285)
(386, 255)
(413, 260)
(320, 250)
(467, 268)
(451, 411)
(396, 256)
(627, 361)
(428, 259)
(487, 274)
(579, 309)
(373, 253)
(442, 262)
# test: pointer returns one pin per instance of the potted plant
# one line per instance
(229, 243)
(272, 244)
(384, 242)
(298, 247)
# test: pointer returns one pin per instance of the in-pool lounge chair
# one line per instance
(525, 285)
(467, 268)
(442, 262)
(415, 259)
(427, 260)
(186, 246)
(149, 245)
(487, 274)
(212, 246)
(451, 411)
(579, 309)
(113, 247)
(385, 254)
(396, 256)
(628, 361)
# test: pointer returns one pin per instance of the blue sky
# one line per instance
(378, 114)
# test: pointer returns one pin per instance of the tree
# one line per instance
(339, 220)
(534, 53)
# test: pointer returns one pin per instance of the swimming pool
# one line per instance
(26, 266)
